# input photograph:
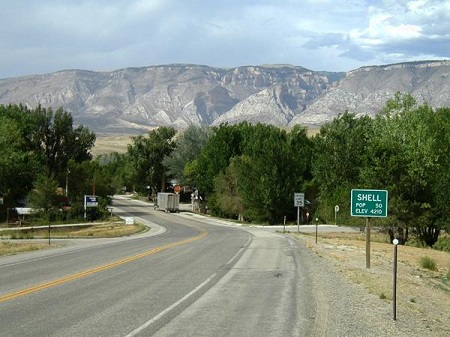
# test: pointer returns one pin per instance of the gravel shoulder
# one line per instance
(352, 300)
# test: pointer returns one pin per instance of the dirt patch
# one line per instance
(424, 292)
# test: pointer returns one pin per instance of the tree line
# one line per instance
(250, 171)
(46, 163)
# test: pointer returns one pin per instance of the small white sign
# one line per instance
(129, 220)
(299, 199)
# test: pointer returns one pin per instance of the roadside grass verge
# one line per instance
(111, 230)
(11, 248)
(10, 240)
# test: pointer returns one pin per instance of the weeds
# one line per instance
(443, 243)
(447, 277)
(427, 262)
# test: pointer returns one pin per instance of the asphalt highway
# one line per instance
(187, 276)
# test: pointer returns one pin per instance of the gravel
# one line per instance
(347, 309)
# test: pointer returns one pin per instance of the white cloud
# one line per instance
(44, 36)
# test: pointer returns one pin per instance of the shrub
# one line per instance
(414, 242)
(443, 243)
(447, 277)
(428, 263)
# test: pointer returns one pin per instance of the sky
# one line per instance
(45, 36)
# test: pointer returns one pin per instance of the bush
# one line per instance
(443, 243)
(428, 263)
(415, 242)
(447, 277)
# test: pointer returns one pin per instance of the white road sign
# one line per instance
(299, 199)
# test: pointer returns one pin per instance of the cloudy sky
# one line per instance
(38, 37)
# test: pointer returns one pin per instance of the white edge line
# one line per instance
(173, 306)
(177, 303)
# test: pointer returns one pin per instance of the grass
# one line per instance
(447, 277)
(95, 231)
(108, 230)
(427, 262)
(11, 248)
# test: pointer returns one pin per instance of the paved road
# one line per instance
(186, 277)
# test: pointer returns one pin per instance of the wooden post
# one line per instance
(367, 242)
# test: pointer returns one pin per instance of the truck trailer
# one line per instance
(168, 202)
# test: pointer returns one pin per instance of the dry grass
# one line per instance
(118, 143)
(109, 144)
(11, 248)
(109, 230)
(104, 231)
(423, 291)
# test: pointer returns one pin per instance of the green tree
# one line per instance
(18, 163)
(58, 142)
(224, 144)
(440, 179)
(409, 158)
(44, 197)
(228, 196)
(120, 168)
(252, 171)
(276, 164)
(340, 152)
(188, 146)
(147, 155)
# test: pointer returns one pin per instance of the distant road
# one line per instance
(188, 276)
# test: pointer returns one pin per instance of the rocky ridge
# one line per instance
(134, 100)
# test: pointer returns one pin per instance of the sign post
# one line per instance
(336, 210)
(394, 286)
(299, 201)
(368, 204)
(317, 223)
(89, 201)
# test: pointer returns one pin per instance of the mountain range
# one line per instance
(135, 100)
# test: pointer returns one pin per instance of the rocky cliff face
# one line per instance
(137, 99)
(134, 100)
(366, 90)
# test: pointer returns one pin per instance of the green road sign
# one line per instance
(369, 203)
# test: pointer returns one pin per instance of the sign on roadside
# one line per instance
(299, 199)
(369, 203)
(91, 201)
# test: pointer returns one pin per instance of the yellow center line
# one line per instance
(85, 273)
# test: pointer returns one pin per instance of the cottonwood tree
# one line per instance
(147, 155)
(252, 171)
(58, 142)
(340, 151)
(18, 163)
(409, 158)
(188, 146)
